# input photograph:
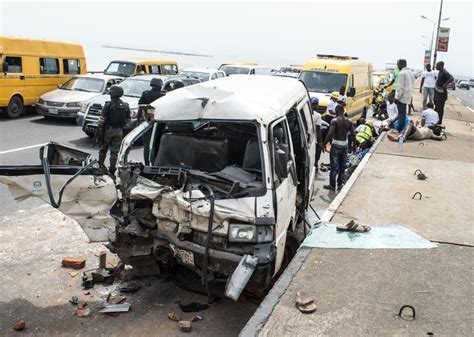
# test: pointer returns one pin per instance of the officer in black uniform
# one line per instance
(115, 115)
(148, 97)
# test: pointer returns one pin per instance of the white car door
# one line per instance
(71, 182)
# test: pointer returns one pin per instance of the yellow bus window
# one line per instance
(49, 66)
(71, 66)
(12, 64)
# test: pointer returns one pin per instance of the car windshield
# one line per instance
(84, 84)
(135, 87)
(120, 69)
(233, 70)
(320, 81)
(202, 76)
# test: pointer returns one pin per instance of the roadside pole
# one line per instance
(437, 35)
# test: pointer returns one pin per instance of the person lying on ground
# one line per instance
(412, 132)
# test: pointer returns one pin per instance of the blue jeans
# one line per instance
(402, 115)
(337, 158)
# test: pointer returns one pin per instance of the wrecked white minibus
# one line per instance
(230, 180)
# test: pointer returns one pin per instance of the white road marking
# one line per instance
(459, 99)
(470, 109)
(23, 148)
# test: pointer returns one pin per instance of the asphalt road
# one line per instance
(34, 237)
(464, 96)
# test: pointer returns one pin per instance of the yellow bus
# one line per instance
(130, 67)
(326, 74)
(31, 68)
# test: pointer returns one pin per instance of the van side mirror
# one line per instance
(5, 67)
(351, 92)
(281, 160)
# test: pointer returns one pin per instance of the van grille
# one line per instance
(95, 109)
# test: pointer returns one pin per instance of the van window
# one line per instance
(49, 66)
(154, 69)
(169, 69)
(307, 121)
(14, 64)
(213, 76)
(321, 81)
(71, 66)
(279, 142)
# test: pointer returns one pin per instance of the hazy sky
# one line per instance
(271, 33)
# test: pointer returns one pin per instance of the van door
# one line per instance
(284, 183)
(13, 81)
(304, 112)
(71, 182)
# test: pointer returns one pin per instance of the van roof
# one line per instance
(238, 97)
(145, 61)
(342, 65)
(36, 47)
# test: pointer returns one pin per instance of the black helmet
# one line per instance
(115, 91)
(178, 84)
(156, 82)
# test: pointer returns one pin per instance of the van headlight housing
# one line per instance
(250, 233)
(83, 107)
(40, 101)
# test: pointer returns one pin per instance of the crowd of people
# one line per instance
(347, 142)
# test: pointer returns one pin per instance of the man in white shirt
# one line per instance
(333, 103)
(428, 81)
(429, 117)
(404, 92)
(317, 127)
(392, 112)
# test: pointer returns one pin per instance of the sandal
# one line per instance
(353, 227)
(304, 303)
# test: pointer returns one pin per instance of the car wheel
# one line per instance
(15, 107)
(89, 134)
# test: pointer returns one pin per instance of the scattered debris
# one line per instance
(87, 293)
(417, 193)
(73, 273)
(130, 287)
(122, 307)
(407, 318)
(19, 326)
(185, 326)
(420, 175)
(91, 277)
(196, 318)
(173, 316)
(75, 262)
(304, 303)
(192, 307)
(74, 300)
(352, 226)
(82, 311)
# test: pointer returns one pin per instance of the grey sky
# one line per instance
(270, 33)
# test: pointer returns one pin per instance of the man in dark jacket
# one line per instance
(440, 90)
(148, 97)
(115, 115)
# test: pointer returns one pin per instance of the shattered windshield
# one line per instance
(84, 84)
(225, 155)
(134, 87)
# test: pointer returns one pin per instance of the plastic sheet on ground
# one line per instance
(380, 237)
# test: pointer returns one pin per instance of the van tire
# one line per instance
(291, 246)
(15, 108)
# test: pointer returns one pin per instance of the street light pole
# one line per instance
(437, 35)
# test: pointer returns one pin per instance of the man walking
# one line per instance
(114, 117)
(148, 97)
(404, 92)
(428, 81)
(440, 90)
(317, 127)
(340, 133)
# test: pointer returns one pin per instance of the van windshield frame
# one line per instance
(323, 81)
(120, 68)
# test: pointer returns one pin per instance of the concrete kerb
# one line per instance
(260, 317)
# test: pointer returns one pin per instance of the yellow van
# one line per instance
(31, 68)
(126, 68)
(325, 74)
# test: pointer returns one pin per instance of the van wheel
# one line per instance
(291, 246)
(364, 114)
(15, 107)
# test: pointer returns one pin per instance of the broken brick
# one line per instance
(19, 325)
(185, 326)
(75, 262)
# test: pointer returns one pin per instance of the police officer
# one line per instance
(115, 115)
(148, 97)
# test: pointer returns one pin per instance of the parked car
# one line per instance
(203, 74)
(471, 82)
(66, 100)
(245, 69)
(230, 181)
(464, 85)
(133, 87)
(452, 85)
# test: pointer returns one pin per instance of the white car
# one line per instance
(66, 100)
(244, 69)
(203, 74)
